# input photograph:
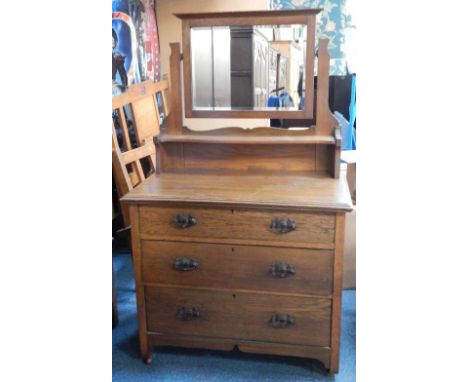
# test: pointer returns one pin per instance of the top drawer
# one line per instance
(239, 224)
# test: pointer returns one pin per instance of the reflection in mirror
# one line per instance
(248, 67)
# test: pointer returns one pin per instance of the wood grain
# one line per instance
(264, 158)
(255, 136)
(335, 161)
(139, 91)
(145, 348)
(320, 353)
(237, 224)
(257, 243)
(238, 267)
(310, 227)
(293, 192)
(326, 122)
(123, 182)
(243, 14)
(239, 315)
(174, 119)
(146, 118)
(249, 158)
(235, 182)
(309, 95)
(337, 293)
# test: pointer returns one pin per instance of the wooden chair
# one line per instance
(140, 106)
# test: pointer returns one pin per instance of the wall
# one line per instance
(170, 30)
(334, 23)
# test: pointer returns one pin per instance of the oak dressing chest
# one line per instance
(237, 240)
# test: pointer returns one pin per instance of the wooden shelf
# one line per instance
(226, 139)
(257, 136)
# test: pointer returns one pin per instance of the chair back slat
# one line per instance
(138, 108)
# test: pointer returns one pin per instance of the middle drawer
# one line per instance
(273, 269)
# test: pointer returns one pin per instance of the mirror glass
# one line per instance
(258, 67)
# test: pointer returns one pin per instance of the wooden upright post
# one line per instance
(326, 122)
(175, 115)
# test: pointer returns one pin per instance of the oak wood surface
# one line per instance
(256, 136)
(124, 180)
(139, 91)
(145, 113)
(337, 293)
(245, 159)
(174, 119)
(336, 154)
(238, 267)
(235, 182)
(226, 344)
(239, 315)
(326, 122)
(258, 243)
(141, 100)
(243, 14)
(145, 348)
(249, 158)
(225, 223)
(320, 192)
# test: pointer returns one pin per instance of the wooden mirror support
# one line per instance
(252, 18)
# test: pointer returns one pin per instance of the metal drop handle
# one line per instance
(283, 225)
(188, 314)
(185, 264)
(279, 320)
(184, 221)
(282, 270)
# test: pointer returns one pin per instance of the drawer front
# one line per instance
(239, 315)
(239, 224)
(286, 270)
(208, 223)
(308, 227)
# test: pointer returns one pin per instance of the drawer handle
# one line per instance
(184, 221)
(283, 225)
(279, 320)
(282, 270)
(185, 264)
(188, 314)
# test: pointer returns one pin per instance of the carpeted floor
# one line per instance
(187, 365)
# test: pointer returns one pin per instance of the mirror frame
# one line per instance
(284, 17)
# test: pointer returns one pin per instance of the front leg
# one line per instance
(146, 353)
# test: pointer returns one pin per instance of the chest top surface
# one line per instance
(302, 192)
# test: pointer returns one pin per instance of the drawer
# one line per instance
(208, 223)
(273, 269)
(239, 315)
(239, 224)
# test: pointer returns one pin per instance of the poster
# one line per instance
(135, 43)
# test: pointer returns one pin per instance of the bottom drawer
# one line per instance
(239, 315)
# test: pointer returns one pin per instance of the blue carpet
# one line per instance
(187, 365)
